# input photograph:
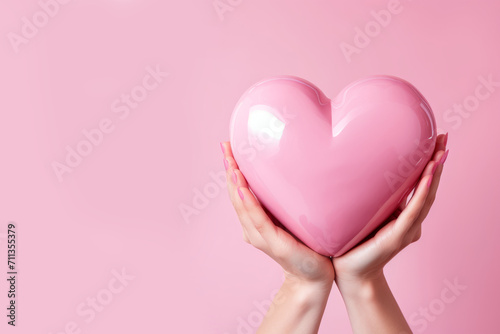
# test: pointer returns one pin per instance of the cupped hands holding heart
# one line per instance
(264, 232)
(310, 274)
(355, 264)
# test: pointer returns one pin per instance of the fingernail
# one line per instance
(240, 193)
(235, 179)
(222, 148)
(445, 139)
(443, 158)
(226, 164)
(430, 181)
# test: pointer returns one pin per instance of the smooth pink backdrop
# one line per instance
(120, 207)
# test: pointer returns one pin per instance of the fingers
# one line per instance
(233, 180)
(412, 211)
(404, 201)
(441, 143)
(262, 230)
(258, 228)
(438, 160)
(440, 147)
(417, 209)
(259, 219)
(435, 185)
(227, 149)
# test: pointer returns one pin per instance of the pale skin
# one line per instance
(359, 274)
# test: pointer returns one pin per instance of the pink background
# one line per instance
(119, 208)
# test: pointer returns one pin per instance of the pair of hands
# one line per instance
(364, 262)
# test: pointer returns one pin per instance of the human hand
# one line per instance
(301, 301)
(264, 232)
(370, 304)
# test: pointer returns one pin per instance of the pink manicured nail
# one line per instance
(240, 193)
(222, 148)
(430, 181)
(235, 179)
(445, 139)
(443, 158)
(226, 164)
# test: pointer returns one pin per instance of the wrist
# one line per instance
(297, 307)
(361, 287)
(306, 294)
(371, 305)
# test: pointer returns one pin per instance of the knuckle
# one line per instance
(280, 254)
(260, 225)
(232, 163)
(412, 215)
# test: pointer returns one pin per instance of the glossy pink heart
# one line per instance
(331, 171)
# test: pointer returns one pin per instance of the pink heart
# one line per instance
(332, 171)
